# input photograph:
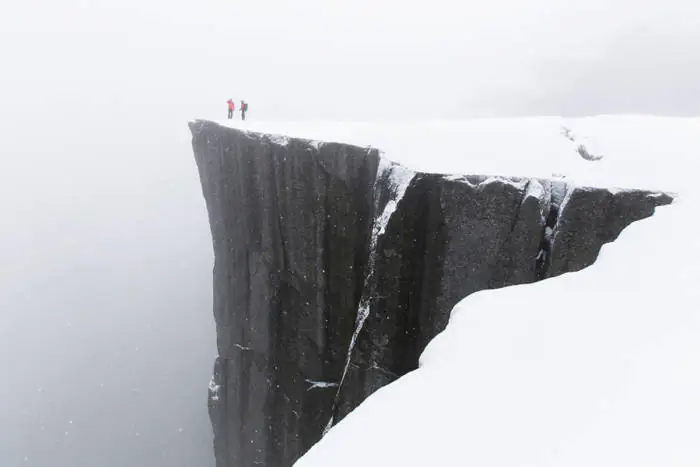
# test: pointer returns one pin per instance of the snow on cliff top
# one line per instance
(636, 151)
(595, 368)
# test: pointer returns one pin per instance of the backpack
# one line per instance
(245, 106)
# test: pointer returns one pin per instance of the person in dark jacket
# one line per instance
(244, 109)
(231, 108)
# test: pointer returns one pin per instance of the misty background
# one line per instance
(106, 332)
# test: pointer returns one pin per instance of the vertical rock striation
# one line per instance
(334, 268)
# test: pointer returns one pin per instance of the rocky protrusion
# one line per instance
(334, 268)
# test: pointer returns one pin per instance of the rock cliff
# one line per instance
(334, 268)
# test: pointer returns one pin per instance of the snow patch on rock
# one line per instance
(399, 179)
(214, 389)
(320, 384)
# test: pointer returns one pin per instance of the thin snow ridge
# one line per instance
(455, 178)
(362, 314)
(518, 182)
(315, 144)
(283, 140)
(569, 187)
(461, 179)
(320, 384)
(399, 178)
(616, 190)
(328, 426)
(279, 140)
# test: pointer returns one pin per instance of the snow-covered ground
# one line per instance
(595, 368)
(637, 151)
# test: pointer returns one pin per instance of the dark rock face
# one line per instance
(290, 227)
(592, 218)
(334, 269)
(446, 240)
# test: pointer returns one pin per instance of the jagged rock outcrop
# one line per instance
(334, 268)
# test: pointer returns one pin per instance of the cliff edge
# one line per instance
(335, 267)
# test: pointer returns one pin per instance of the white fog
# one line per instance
(106, 331)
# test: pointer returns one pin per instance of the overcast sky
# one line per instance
(355, 59)
(106, 335)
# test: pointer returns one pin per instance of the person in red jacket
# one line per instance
(231, 108)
